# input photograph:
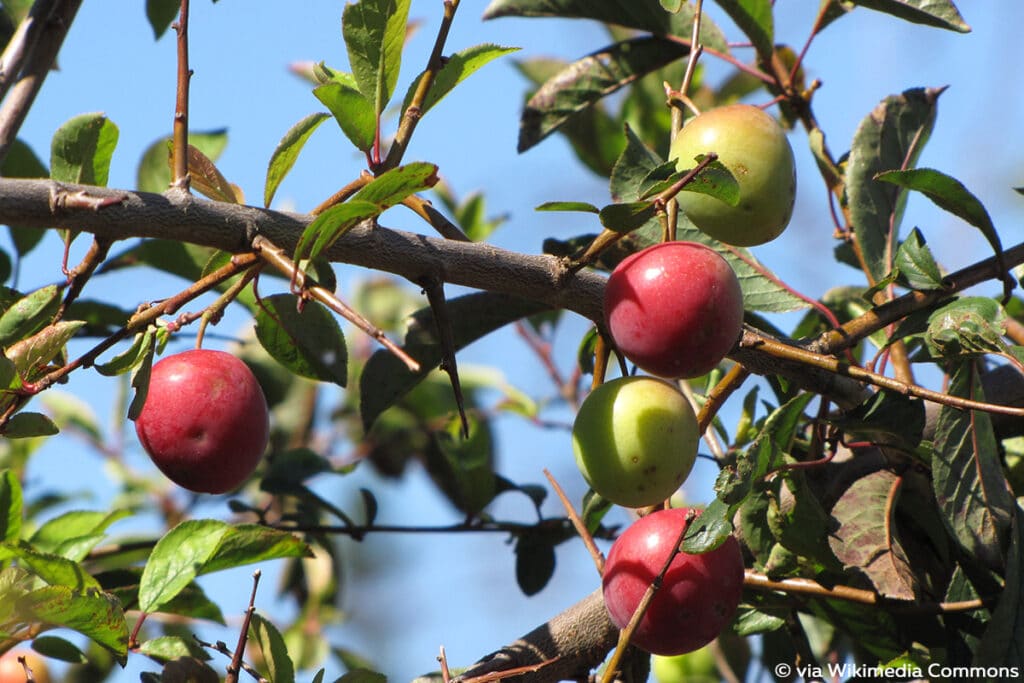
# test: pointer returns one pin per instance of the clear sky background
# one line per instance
(459, 591)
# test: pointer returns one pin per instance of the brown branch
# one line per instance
(36, 65)
(179, 153)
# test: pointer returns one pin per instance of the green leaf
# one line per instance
(939, 13)
(279, 667)
(463, 468)
(568, 206)
(593, 133)
(28, 314)
(167, 648)
(130, 358)
(915, 264)
(644, 15)
(385, 378)
(53, 569)
(352, 111)
(309, 343)
(22, 162)
(535, 562)
(31, 355)
(287, 151)
(948, 194)
(457, 68)
(970, 489)
(191, 601)
(160, 14)
(374, 32)
(27, 425)
(1000, 645)
(92, 613)
(81, 150)
(624, 218)
(154, 171)
(586, 81)
(393, 186)
(886, 419)
(710, 529)
(754, 18)
(715, 180)
(197, 547)
(73, 534)
(330, 225)
(890, 137)
(965, 327)
(10, 506)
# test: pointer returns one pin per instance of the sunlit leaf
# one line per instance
(279, 667)
(352, 111)
(330, 225)
(81, 150)
(309, 343)
(457, 67)
(939, 13)
(374, 32)
(754, 17)
(287, 151)
(92, 613)
(154, 172)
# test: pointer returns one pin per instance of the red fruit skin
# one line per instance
(699, 594)
(205, 422)
(674, 309)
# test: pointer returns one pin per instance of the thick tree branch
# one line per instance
(179, 216)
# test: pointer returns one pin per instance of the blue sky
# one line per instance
(428, 591)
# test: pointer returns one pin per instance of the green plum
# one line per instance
(635, 440)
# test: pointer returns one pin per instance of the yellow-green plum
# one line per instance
(635, 440)
(754, 147)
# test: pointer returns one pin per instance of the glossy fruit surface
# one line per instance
(205, 422)
(675, 309)
(754, 147)
(635, 440)
(699, 594)
(12, 671)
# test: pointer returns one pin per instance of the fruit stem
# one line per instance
(580, 527)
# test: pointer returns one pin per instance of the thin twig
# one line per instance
(179, 152)
(243, 633)
(412, 113)
(275, 255)
(581, 528)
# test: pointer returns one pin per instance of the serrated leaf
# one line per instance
(374, 32)
(970, 489)
(287, 151)
(10, 506)
(939, 13)
(93, 613)
(457, 68)
(710, 529)
(890, 137)
(351, 110)
(310, 343)
(81, 150)
(948, 194)
(385, 378)
(191, 601)
(154, 171)
(279, 667)
(916, 265)
(393, 186)
(715, 180)
(167, 648)
(586, 81)
(27, 425)
(330, 225)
